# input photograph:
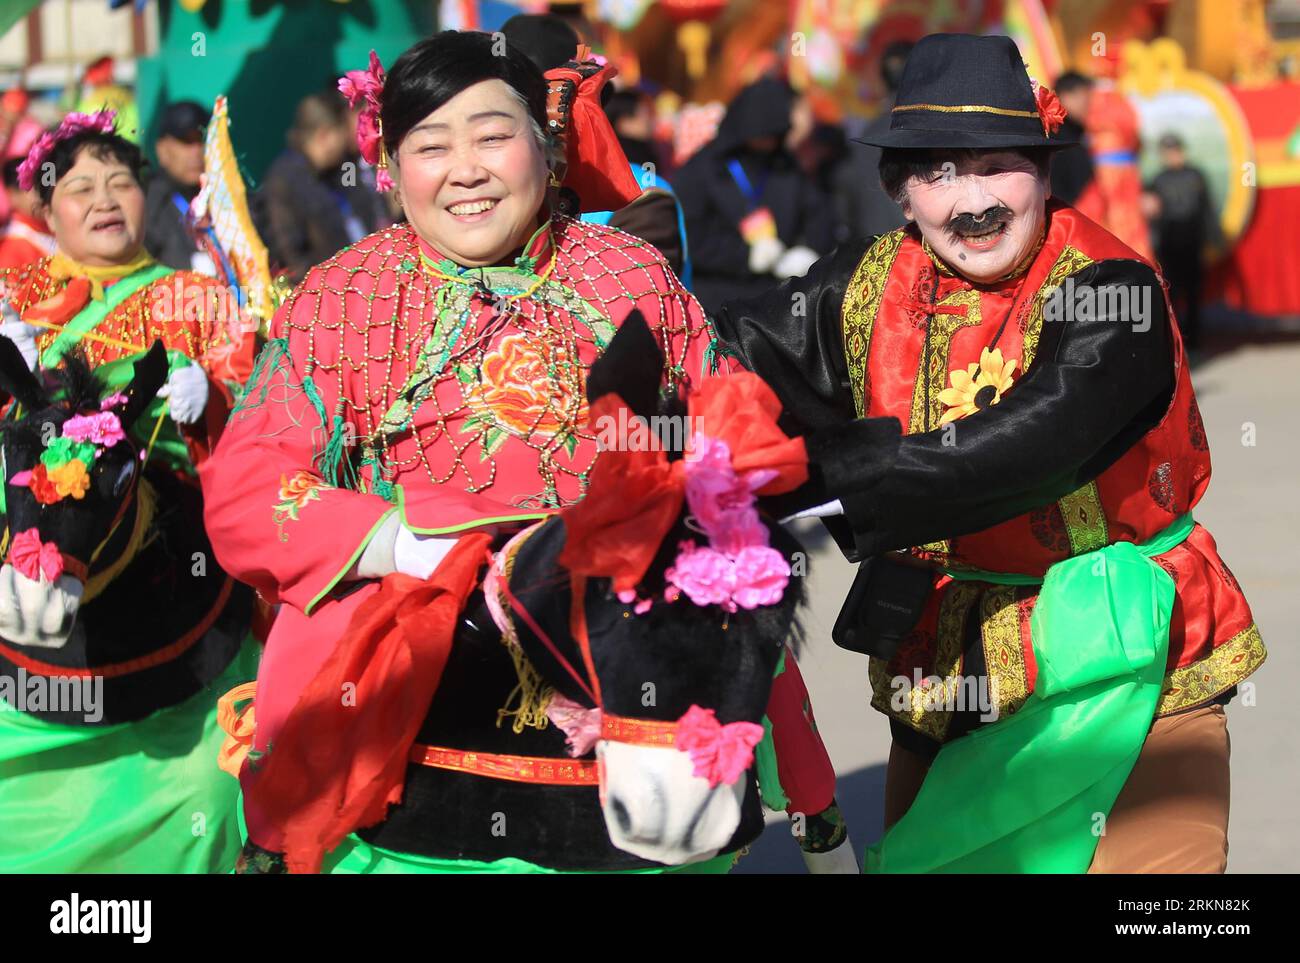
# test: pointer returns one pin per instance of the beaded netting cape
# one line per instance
(416, 375)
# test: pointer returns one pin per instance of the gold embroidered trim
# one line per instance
(1004, 650)
(861, 303)
(968, 109)
(929, 709)
(1069, 261)
(1215, 674)
(1085, 521)
(942, 329)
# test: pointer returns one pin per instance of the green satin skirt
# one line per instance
(138, 797)
(357, 857)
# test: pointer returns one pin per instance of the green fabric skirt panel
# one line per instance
(357, 857)
(1030, 793)
(139, 797)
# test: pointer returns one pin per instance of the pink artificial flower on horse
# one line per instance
(33, 558)
(721, 753)
(102, 428)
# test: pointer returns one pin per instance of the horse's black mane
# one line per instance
(72, 386)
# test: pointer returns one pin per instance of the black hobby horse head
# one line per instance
(682, 687)
(66, 484)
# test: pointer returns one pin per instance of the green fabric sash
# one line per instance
(89, 317)
(354, 857)
(1030, 793)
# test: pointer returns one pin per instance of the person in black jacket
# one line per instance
(752, 216)
(315, 201)
(171, 188)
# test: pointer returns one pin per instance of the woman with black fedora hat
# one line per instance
(997, 405)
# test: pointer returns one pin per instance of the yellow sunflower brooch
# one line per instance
(979, 386)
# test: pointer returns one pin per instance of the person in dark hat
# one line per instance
(1001, 428)
(179, 149)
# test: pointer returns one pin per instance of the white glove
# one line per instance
(22, 334)
(188, 390)
(419, 555)
(795, 262)
(764, 254)
(36, 612)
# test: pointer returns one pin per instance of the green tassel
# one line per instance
(267, 363)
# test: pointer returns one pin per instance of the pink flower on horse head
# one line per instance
(70, 125)
(102, 428)
(704, 574)
(33, 558)
(762, 573)
(721, 753)
(721, 501)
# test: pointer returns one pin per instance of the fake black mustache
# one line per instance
(964, 225)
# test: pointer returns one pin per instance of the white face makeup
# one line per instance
(982, 215)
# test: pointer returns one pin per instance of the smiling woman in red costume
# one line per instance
(428, 382)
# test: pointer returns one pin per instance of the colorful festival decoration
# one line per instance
(221, 215)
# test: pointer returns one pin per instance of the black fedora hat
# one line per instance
(961, 91)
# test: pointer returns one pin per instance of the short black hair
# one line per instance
(438, 68)
(1072, 80)
(98, 144)
(898, 165)
(544, 38)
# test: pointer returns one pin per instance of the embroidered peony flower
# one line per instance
(70, 478)
(297, 491)
(721, 753)
(1050, 111)
(704, 574)
(979, 386)
(761, 574)
(103, 428)
(518, 395)
(33, 558)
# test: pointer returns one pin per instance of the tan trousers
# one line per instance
(1170, 817)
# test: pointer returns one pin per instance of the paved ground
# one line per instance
(1253, 510)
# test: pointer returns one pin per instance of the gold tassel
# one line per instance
(528, 701)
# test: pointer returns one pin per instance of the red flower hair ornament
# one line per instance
(367, 86)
